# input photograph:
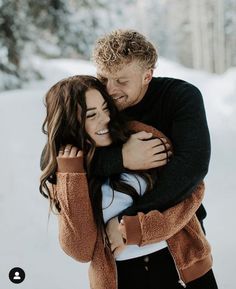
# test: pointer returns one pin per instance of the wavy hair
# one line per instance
(65, 124)
(121, 47)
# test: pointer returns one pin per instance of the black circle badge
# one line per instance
(17, 275)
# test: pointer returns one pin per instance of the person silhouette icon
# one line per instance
(17, 276)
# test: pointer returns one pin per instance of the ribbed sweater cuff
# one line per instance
(70, 165)
(133, 230)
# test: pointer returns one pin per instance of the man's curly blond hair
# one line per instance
(121, 47)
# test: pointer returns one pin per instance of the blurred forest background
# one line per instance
(200, 34)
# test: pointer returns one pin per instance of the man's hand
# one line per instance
(142, 153)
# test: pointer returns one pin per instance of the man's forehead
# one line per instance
(123, 71)
(111, 75)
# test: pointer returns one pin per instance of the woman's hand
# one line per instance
(70, 160)
(115, 236)
(69, 151)
(121, 228)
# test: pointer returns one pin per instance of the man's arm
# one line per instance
(108, 161)
(146, 148)
(189, 165)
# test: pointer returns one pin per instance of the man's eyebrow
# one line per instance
(92, 108)
(122, 77)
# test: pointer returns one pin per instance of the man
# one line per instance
(125, 62)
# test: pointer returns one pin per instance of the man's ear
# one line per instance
(148, 76)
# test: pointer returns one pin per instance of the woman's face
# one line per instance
(97, 118)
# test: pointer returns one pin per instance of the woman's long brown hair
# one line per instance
(65, 124)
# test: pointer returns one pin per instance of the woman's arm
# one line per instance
(143, 229)
(77, 229)
(155, 226)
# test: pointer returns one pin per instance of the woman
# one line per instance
(80, 118)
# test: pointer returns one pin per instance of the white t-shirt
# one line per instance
(121, 201)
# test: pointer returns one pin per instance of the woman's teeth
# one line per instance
(101, 132)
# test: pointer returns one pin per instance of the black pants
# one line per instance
(157, 271)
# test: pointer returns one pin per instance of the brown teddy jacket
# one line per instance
(80, 239)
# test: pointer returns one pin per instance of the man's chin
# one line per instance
(121, 106)
(121, 103)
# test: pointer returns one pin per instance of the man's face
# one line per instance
(128, 85)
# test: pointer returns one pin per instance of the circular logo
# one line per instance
(17, 275)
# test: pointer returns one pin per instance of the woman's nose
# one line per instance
(105, 118)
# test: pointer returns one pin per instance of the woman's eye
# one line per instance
(91, 115)
(105, 108)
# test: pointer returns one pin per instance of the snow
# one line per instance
(26, 239)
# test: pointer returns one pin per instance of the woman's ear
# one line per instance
(148, 76)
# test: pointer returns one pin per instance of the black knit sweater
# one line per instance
(176, 108)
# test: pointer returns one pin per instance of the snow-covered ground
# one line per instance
(25, 239)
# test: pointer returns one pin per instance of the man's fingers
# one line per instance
(157, 142)
(158, 163)
(160, 157)
(164, 139)
(142, 135)
(158, 150)
(158, 160)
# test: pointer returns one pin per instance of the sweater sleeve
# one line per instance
(77, 229)
(108, 161)
(189, 165)
(155, 226)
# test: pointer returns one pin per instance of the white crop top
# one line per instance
(121, 201)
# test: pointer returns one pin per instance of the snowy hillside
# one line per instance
(27, 242)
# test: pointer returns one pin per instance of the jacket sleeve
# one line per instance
(77, 229)
(189, 164)
(155, 226)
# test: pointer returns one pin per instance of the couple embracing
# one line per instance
(123, 167)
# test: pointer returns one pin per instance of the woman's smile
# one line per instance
(97, 118)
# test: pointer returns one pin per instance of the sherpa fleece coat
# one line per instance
(80, 239)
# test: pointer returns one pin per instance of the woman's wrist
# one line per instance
(70, 164)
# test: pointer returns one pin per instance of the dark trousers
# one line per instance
(157, 271)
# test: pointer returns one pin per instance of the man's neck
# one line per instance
(143, 93)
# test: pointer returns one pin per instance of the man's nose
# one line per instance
(111, 87)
